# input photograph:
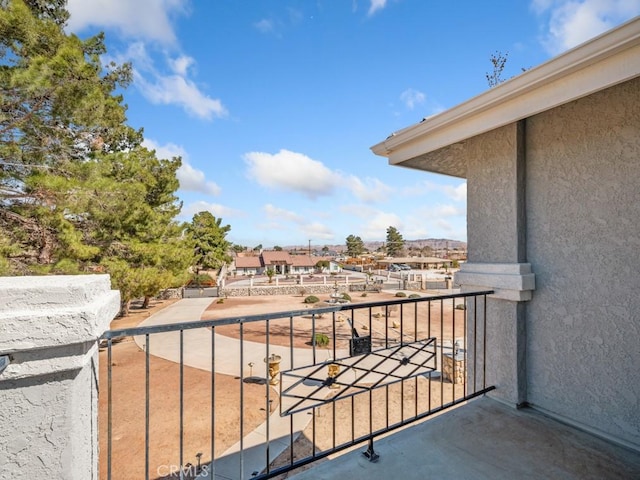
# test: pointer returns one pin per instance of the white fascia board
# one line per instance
(607, 60)
(509, 281)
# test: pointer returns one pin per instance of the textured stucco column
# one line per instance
(497, 256)
(48, 393)
(513, 284)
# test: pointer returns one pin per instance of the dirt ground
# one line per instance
(393, 320)
(352, 414)
(128, 409)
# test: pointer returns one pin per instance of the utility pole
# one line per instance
(309, 247)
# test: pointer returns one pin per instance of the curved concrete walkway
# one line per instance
(232, 357)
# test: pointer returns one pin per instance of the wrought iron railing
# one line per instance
(328, 378)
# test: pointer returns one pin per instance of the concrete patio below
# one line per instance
(485, 439)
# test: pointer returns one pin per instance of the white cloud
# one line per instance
(439, 212)
(296, 172)
(171, 87)
(435, 221)
(193, 180)
(264, 26)
(432, 222)
(219, 211)
(318, 231)
(190, 178)
(181, 64)
(376, 5)
(174, 88)
(458, 193)
(291, 171)
(571, 22)
(275, 213)
(276, 25)
(178, 90)
(280, 219)
(378, 223)
(411, 98)
(148, 19)
(371, 190)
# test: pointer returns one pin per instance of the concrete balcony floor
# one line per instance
(485, 440)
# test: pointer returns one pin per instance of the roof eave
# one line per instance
(604, 61)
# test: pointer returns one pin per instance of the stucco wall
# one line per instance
(493, 237)
(48, 393)
(583, 215)
(491, 196)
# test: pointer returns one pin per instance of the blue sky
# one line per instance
(273, 105)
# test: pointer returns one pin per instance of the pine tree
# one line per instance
(209, 237)
(395, 242)
(78, 192)
(55, 110)
(355, 246)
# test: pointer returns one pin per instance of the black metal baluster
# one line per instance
(475, 342)
(109, 407)
(181, 404)
(466, 348)
(453, 350)
(484, 345)
(268, 410)
(213, 399)
(436, 350)
(242, 399)
(441, 353)
(146, 408)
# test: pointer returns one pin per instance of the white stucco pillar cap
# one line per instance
(509, 281)
(50, 323)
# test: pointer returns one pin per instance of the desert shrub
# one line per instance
(461, 306)
(311, 299)
(320, 264)
(401, 294)
(321, 340)
(364, 294)
(346, 296)
(414, 295)
(220, 300)
(201, 280)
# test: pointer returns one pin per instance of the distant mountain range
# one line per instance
(435, 243)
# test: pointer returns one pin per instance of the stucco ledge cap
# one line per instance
(510, 281)
(52, 312)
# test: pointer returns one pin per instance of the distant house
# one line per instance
(282, 263)
(278, 261)
(251, 265)
(420, 263)
(303, 264)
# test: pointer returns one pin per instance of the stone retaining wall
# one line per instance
(453, 369)
(280, 290)
(312, 289)
(170, 293)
